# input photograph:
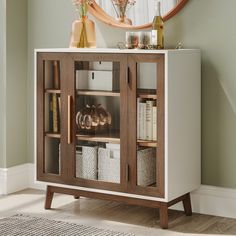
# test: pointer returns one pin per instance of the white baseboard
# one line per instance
(18, 178)
(206, 200)
(14, 179)
(211, 200)
(3, 181)
(215, 201)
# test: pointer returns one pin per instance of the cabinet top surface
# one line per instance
(114, 50)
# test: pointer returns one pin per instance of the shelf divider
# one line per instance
(147, 143)
(147, 93)
(58, 91)
(52, 135)
(98, 138)
(98, 93)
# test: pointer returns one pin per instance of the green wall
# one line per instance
(2, 82)
(16, 89)
(13, 83)
(208, 25)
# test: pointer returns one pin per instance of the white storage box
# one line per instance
(87, 163)
(95, 80)
(109, 165)
(146, 166)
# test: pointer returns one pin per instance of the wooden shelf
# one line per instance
(53, 135)
(53, 91)
(148, 96)
(147, 93)
(98, 138)
(98, 93)
(147, 143)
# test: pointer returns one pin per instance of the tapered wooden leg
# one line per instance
(164, 216)
(76, 197)
(187, 205)
(48, 200)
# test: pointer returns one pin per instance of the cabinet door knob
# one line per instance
(127, 172)
(128, 76)
(69, 119)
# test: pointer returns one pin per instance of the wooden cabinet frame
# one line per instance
(133, 59)
(128, 138)
(127, 190)
(61, 57)
(122, 60)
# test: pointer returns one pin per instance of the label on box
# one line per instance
(94, 80)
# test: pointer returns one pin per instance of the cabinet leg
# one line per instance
(76, 197)
(187, 205)
(164, 216)
(49, 197)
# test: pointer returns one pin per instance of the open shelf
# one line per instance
(147, 93)
(99, 138)
(53, 135)
(58, 91)
(147, 143)
(98, 93)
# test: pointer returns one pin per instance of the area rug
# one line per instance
(24, 225)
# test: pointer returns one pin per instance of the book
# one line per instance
(55, 113)
(59, 108)
(55, 101)
(142, 120)
(50, 113)
(56, 75)
(149, 118)
(138, 117)
(146, 119)
(154, 123)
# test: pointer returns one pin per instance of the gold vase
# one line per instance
(83, 33)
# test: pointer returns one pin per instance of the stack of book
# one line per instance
(55, 104)
(146, 119)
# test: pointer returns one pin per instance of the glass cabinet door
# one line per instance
(147, 95)
(99, 116)
(49, 119)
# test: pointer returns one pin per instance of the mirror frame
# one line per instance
(101, 15)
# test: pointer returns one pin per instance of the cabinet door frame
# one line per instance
(41, 57)
(159, 189)
(90, 57)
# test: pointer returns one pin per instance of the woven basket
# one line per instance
(108, 165)
(146, 166)
(87, 163)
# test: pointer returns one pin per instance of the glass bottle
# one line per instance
(158, 28)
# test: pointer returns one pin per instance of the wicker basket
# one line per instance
(87, 163)
(108, 165)
(146, 166)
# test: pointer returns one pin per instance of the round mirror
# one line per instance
(133, 14)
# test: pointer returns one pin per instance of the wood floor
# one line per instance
(115, 216)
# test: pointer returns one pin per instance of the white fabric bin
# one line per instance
(109, 165)
(146, 166)
(87, 163)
